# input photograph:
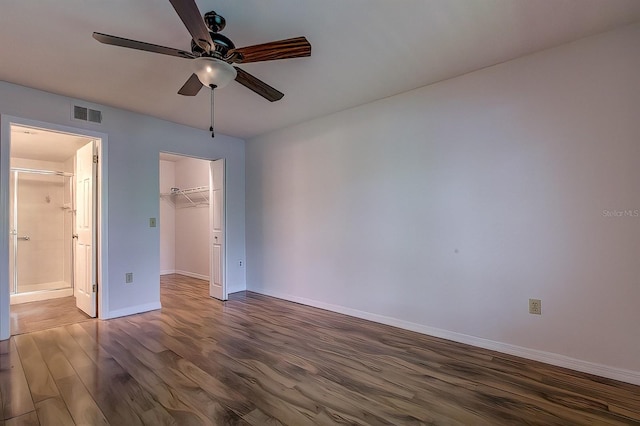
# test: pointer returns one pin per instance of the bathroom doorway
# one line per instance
(51, 210)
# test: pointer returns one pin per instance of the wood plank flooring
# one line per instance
(36, 316)
(256, 360)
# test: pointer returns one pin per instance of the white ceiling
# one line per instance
(44, 145)
(363, 50)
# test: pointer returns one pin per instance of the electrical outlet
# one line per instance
(240, 263)
(152, 222)
(128, 277)
(535, 306)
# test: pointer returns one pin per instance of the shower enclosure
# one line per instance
(41, 230)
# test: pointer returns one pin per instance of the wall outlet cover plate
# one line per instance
(535, 306)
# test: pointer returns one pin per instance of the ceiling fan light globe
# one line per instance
(213, 71)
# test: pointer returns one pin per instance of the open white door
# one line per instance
(217, 284)
(84, 279)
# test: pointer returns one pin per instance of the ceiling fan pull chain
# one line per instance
(213, 86)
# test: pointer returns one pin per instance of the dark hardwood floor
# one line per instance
(36, 316)
(256, 360)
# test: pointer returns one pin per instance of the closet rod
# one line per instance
(41, 172)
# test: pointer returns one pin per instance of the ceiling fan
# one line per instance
(213, 54)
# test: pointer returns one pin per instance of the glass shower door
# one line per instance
(40, 220)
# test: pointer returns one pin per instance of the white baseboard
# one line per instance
(167, 271)
(628, 376)
(192, 275)
(132, 310)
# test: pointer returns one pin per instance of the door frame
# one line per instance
(102, 230)
(210, 214)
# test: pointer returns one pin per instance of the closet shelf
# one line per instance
(192, 197)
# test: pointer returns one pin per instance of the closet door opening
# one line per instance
(192, 249)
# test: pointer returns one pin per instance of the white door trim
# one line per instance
(5, 136)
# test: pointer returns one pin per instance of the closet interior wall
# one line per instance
(167, 218)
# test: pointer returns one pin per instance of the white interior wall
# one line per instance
(134, 144)
(192, 222)
(446, 208)
(167, 220)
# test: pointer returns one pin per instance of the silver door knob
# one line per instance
(24, 237)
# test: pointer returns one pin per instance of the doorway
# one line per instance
(192, 222)
(53, 222)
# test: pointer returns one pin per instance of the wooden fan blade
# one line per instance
(188, 11)
(191, 87)
(258, 86)
(140, 45)
(297, 47)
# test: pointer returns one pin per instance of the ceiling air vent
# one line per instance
(87, 114)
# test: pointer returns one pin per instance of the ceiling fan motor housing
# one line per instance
(222, 45)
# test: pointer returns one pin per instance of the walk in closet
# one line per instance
(184, 216)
